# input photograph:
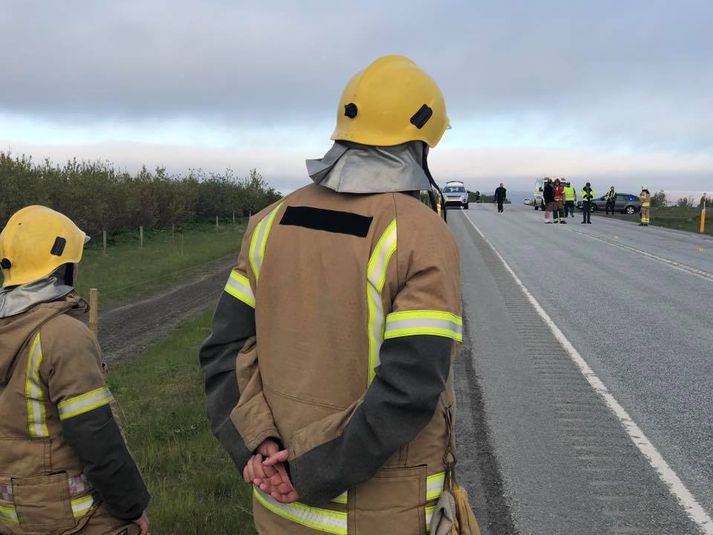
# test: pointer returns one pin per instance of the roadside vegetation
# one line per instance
(684, 214)
(681, 218)
(196, 488)
(100, 197)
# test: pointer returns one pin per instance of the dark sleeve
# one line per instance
(398, 404)
(233, 325)
(108, 465)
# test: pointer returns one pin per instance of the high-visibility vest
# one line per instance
(569, 193)
(586, 195)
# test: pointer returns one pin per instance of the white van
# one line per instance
(455, 193)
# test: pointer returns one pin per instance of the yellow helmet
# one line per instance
(35, 242)
(391, 102)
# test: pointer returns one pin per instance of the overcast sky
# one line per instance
(618, 92)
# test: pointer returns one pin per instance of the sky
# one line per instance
(615, 92)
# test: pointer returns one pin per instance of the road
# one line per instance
(629, 447)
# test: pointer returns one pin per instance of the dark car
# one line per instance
(625, 203)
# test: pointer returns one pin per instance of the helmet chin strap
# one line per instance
(431, 195)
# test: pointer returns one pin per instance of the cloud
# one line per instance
(573, 77)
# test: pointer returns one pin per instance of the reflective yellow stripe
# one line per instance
(36, 421)
(317, 518)
(238, 286)
(376, 277)
(8, 514)
(89, 401)
(258, 241)
(82, 505)
(434, 486)
(429, 516)
(342, 498)
(430, 322)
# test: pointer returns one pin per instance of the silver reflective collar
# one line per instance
(18, 299)
(353, 168)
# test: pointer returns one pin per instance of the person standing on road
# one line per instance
(500, 196)
(611, 200)
(64, 466)
(645, 198)
(587, 194)
(548, 197)
(558, 192)
(339, 415)
(570, 197)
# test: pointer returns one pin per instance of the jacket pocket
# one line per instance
(21, 457)
(42, 503)
(392, 502)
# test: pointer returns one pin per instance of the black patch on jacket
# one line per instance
(327, 220)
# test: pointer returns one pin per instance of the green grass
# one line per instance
(196, 488)
(127, 271)
(687, 219)
(674, 217)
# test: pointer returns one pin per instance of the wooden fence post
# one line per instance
(216, 223)
(233, 217)
(94, 311)
(104, 240)
(141, 237)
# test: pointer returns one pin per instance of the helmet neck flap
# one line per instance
(354, 168)
(18, 299)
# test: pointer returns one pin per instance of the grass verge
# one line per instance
(674, 217)
(128, 272)
(195, 486)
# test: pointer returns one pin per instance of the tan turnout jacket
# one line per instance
(51, 378)
(345, 310)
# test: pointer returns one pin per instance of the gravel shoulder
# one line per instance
(128, 329)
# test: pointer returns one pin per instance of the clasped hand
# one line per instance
(266, 470)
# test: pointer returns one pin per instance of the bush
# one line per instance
(99, 197)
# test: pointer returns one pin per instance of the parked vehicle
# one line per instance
(626, 203)
(537, 199)
(455, 193)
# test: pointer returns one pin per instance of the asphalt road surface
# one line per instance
(586, 379)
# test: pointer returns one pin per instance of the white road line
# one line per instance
(677, 488)
(677, 265)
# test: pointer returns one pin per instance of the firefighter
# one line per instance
(558, 192)
(587, 194)
(611, 200)
(64, 466)
(344, 312)
(645, 198)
